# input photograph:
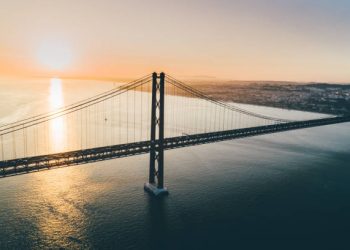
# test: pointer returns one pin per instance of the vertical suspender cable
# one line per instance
(134, 90)
(127, 116)
(2, 153)
(141, 110)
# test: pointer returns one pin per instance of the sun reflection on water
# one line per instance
(56, 96)
(57, 124)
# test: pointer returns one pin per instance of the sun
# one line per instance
(54, 55)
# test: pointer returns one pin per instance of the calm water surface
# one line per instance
(283, 191)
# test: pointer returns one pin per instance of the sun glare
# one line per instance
(55, 55)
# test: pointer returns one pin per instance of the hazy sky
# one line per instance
(301, 40)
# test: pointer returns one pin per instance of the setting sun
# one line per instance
(54, 55)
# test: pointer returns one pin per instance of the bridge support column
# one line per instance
(155, 183)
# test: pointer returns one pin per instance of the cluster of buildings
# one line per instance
(314, 97)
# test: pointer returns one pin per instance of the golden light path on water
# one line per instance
(62, 211)
(56, 125)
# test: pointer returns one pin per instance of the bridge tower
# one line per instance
(155, 183)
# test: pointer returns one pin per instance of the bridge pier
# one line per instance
(155, 186)
(154, 190)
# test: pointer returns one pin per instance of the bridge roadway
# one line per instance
(36, 163)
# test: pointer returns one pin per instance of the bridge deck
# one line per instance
(36, 163)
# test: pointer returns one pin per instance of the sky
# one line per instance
(291, 40)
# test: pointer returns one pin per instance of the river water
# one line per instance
(282, 191)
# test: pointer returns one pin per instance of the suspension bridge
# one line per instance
(149, 115)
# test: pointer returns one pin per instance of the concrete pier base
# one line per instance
(154, 190)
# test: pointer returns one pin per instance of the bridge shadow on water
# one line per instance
(159, 227)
